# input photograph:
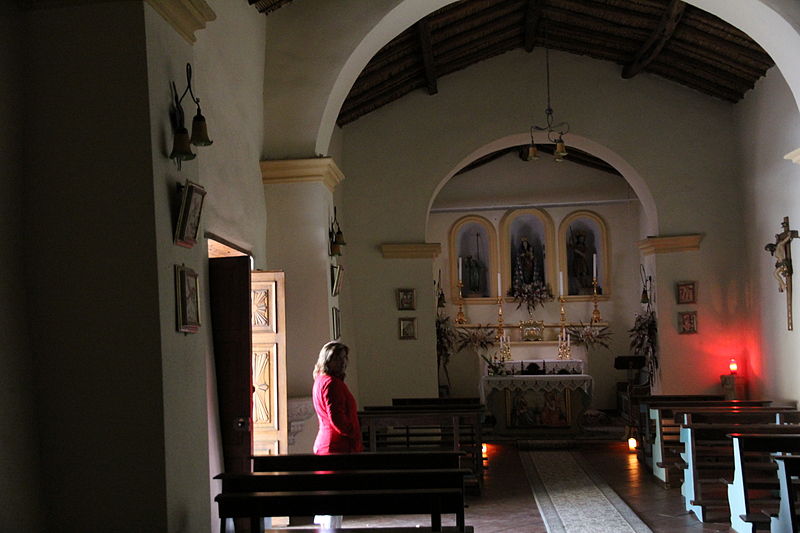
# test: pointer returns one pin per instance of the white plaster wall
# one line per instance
(297, 237)
(769, 128)
(227, 62)
(92, 273)
(679, 141)
(558, 189)
(19, 448)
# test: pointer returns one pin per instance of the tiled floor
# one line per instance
(507, 503)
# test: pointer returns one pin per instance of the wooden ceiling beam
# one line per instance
(655, 43)
(426, 50)
(533, 14)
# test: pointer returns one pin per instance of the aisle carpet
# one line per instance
(572, 498)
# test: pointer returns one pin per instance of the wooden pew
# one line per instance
(787, 520)
(255, 495)
(708, 455)
(755, 480)
(420, 427)
(402, 469)
(358, 461)
(436, 402)
(662, 433)
(641, 413)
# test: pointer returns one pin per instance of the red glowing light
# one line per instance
(733, 366)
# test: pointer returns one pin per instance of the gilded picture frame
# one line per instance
(187, 299)
(686, 292)
(407, 328)
(188, 223)
(687, 322)
(406, 299)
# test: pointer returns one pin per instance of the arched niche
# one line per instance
(581, 235)
(520, 229)
(473, 238)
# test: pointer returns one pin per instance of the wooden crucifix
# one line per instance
(781, 249)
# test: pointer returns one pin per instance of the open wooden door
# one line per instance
(250, 359)
(269, 363)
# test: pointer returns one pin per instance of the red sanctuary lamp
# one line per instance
(733, 366)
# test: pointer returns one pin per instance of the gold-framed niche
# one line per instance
(473, 237)
(536, 227)
(582, 234)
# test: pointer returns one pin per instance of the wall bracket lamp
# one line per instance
(181, 149)
(335, 236)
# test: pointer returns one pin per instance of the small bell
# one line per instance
(645, 298)
(339, 238)
(200, 130)
(530, 153)
(181, 151)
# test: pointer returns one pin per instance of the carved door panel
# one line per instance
(268, 362)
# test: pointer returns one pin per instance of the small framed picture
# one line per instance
(336, 319)
(687, 322)
(686, 292)
(192, 196)
(406, 299)
(187, 299)
(337, 271)
(408, 328)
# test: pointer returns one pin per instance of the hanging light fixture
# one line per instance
(335, 236)
(181, 149)
(555, 132)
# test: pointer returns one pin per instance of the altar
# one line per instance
(541, 404)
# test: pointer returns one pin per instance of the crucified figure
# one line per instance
(782, 251)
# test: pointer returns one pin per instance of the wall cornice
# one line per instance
(414, 250)
(671, 244)
(185, 16)
(322, 169)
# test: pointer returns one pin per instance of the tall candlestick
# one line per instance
(459, 268)
(499, 287)
(594, 265)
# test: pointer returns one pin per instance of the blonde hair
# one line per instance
(330, 351)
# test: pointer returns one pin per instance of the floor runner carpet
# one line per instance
(572, 498)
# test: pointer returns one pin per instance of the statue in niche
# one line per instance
(474, 271)
(580, 274)
(527, 261)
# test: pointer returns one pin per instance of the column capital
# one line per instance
(322, 169)
(673, 243)
(793, 156)
(185, 16)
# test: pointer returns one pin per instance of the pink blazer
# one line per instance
(339, 430)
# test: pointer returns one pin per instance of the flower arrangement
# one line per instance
(590, 335)
(480, 339)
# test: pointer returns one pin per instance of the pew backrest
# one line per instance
(359, 461)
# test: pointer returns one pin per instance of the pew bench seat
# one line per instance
(256, 505)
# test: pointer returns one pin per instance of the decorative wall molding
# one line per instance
(414, 250)
(299, 410)
(666, 245)
(321, 169)
(186, 16)
(793, 156)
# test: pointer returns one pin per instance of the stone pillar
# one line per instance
(299, 203)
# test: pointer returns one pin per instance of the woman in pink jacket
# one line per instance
(339, 430)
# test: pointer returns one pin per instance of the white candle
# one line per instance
(594, 266)
(459, 269)
(499, 288)
(561, 284)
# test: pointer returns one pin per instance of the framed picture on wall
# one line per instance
(687, 322)
(408, 328)
(336, 319)
(186, 299)
(337, 271)
(686, 292)
(192, 196)
(406, 299)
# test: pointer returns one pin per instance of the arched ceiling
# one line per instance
(668, 38)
